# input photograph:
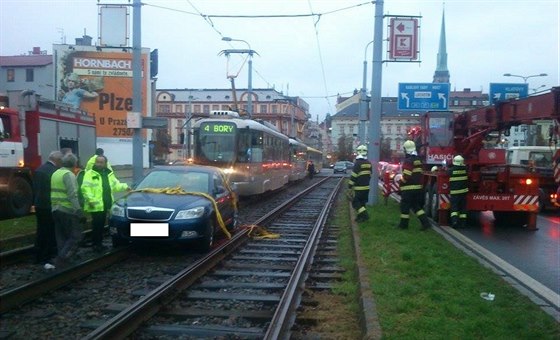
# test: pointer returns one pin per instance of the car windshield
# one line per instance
(342, 164)
(190, 181)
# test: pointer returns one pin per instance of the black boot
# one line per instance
(403, 224)
(425, 222)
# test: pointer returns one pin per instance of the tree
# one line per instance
(385, 149)
(345, 149)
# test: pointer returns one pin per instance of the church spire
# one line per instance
(442, 73)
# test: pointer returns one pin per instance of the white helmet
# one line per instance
(458, 160)
(361, 150)
(434, 168)
(409, 146)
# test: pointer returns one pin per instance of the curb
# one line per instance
(369, 320)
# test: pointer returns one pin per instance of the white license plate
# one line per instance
(149, 229)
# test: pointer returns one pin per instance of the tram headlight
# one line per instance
(117, 210)
(229, 171)
(190, 213)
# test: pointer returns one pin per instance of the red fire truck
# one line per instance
(28, 133)
(510, 191)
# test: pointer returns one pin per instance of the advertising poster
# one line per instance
(99, 82)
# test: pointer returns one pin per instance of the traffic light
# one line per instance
(154, 63)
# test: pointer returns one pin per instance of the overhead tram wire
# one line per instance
(320, 56)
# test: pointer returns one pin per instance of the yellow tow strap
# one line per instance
(260, 233)
(179, 191)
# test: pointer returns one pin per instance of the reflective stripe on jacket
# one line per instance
(92, 189)
(458, 180)
(361, 175)
(412, 173)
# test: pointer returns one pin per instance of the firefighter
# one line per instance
(412, 193)
(359, 182)
(458, 186)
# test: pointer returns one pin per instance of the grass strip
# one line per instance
(425, 288)
(17, 226)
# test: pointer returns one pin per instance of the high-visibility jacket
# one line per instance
(91, 162)
(92, 189)
(59, 193)
(361, 175)
(458, 180)
(411, 173)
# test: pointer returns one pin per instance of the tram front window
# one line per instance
(217, 148)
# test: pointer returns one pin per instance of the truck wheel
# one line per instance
(20, 197)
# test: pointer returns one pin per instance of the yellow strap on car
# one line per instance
(180, 191)
(260, 233)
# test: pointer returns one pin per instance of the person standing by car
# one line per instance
(99, 184)
(412, 193)
(458, 189)
(45, 242)
(67, 213)
(91, 160)
(311, 169)
(359, 182)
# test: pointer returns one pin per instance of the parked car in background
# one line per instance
(349, 165)
(174, 204)
(392, 170)
(339, 167)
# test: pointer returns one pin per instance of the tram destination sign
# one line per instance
(218, 128)
(423, 96)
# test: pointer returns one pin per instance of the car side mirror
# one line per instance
(220, 190)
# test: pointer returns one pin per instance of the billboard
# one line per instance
(99, 82)
(403, 38)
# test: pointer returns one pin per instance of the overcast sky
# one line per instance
(485, 39)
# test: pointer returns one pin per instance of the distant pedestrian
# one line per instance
(97, 189)
(359, 182)
(67, 213)
(45, 242)
(91, 160)
(458, 189)
(310, 169)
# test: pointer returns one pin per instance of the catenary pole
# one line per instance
(374, 129)
(137, 161)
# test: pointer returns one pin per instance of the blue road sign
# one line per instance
(423, 96)
(501, 91)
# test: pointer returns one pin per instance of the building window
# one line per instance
(178, 108)
(28, 74)
(399, 129)
(274, 108)
(474, 102)
(456, 102)
(164, 108)
(263, 108)
(389, 129)
(206, 108)
(225, 107)
(215, 107)
(11, 75)
(196, 108)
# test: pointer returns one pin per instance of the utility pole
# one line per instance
(250, 87)
(375, 105)
(363, 102)
(137, 161)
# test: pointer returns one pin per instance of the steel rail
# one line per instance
(285, 313)
(14, 297)
(128, 320)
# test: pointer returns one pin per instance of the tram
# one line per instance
(254, 154)
(298, 160)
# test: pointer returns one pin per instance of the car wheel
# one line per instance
(117, 241)
(234, 222)
(208, 239)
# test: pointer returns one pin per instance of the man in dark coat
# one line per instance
(45, 242)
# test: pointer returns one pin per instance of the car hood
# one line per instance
(144, 199)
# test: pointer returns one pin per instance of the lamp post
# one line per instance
(525, 77)
(250, 77)
(363, 101)
(537, 88)
(187, 140)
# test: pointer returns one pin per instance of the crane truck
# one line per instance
(510, 191)
(28, 133)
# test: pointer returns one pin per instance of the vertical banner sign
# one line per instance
(99, 83)
(403, 38)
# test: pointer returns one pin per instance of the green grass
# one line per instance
(17, 226)
(425, 288)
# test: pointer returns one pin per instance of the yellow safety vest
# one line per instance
(59, 193)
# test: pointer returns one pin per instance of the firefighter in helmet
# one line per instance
(412, 191)
(359, 182)
(458, 188)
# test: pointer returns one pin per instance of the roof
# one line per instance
(467, 93)
(221, 95)
(26, 60)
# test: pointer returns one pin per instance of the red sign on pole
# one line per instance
(403, 38)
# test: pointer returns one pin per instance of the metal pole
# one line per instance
(250, 89)
(375, 106)
(137, 161)
(363, 108)
(292, 132)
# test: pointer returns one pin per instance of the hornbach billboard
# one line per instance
(99, 82)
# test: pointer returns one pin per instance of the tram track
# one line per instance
(253, 292)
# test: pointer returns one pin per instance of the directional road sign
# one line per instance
(423, 96)
(502, 91)
(403, 38)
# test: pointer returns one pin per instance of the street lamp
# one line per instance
(525, 77)
(537, 88)
(363, 100)
(250, 80)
